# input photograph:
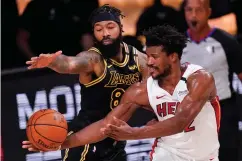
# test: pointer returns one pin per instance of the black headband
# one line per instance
(105, 16)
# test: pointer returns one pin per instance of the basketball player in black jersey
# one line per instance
(106, 71)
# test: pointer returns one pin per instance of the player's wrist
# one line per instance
(65, 144)
(52, 60)
(51, 63)
(141, 132)
(137, 132)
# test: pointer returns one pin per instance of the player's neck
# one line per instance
(199, 34)
(119, 57)
(172, 80)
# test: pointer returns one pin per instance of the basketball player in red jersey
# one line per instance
(105, 72)
(182, 97)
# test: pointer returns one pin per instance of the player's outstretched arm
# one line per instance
(132, 99)
(124, 111)
(83, 62)
(201, 88)
(92, 133)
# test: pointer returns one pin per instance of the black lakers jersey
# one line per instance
(103, 94)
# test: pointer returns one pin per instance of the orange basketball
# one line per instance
(47, 129)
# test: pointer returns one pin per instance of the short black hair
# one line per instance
(168, 37)
(108, 9)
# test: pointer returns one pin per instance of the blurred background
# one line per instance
(32, 27)
(42, 26)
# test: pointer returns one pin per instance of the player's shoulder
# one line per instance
(191, 68)
(202, 76)
(200, 82)
(92, 53)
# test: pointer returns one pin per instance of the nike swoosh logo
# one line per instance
(159, 97)
(132, 67)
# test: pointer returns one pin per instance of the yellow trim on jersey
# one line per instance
(84, 153)
(126, 59)
(95, 49)
(99, 79)
(136, 58)
(67, 150)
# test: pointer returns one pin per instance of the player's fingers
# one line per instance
(26, 146)
(113, 128)
(33, 149)
(26, 142)
(118, 121)
(113, 136)
(58, 53)
(34, 58)
(43, 55)
(29, 62)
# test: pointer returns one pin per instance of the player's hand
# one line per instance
(120, 130)
(29, 146)
(43, 60)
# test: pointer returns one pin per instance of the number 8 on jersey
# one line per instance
(116, 97)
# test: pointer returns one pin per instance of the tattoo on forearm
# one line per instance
(60, 64)
(81, 63)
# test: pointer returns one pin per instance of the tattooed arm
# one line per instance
(83, 62)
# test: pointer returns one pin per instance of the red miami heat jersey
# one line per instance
(200, 139)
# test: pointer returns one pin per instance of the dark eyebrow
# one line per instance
(110, 23)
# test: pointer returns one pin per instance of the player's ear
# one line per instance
(173, 57)
(121, 28)
(209, 12)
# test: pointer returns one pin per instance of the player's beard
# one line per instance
(109, 50)
(167, 72)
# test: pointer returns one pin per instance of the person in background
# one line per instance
(219, 53)
(160, 13)
(47, 26)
